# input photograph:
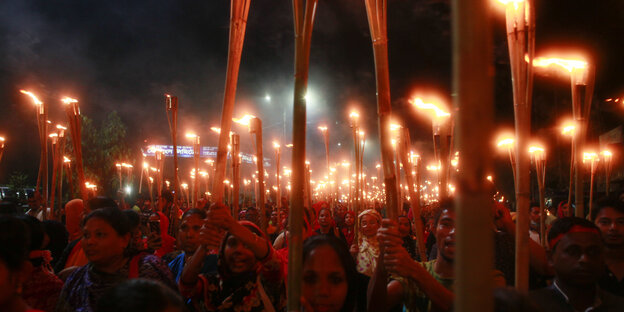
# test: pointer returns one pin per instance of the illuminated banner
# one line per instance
(187, 152)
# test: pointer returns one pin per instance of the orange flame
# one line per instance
(67, 100)
(244, 120)
(33, 96)
(439, 112)
(567, 64)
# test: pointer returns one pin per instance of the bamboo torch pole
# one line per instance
(74, 119)
(236, 174)
(55, 152)
(377, 20)
(303, 24)
(1, 147)
(472, 84)
(171, 104)
(238, 21)
(415, 205)
(255, 126)
(520, 20)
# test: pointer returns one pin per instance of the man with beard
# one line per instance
(577, 255)
(609, 217)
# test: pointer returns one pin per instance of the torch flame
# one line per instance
(67, 100)
(590, 156)
(244, 120)
(354, 114)
(66, 160)
(439, 112)
(60, 127)
(191, 135)
(275, 144)
(322, 128)
(394, 127)
(606, 153)
(215, 129)
(568, 129)
(536, 150)
(567, 64)
(289, 145)
(33, 96)
(53, 135)
(506, 142)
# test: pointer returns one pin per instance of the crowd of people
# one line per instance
(104, 255)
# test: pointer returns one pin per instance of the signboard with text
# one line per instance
(187, 152)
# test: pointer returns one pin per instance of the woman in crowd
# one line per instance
(326, 224)
(366, 248)
(42, 288)
(329, 276)
(348, 230)
(249, 277)
(14, 267)
(409, 241)
(106, 236)
(188, 241)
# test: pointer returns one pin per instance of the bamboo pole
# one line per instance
(571, 185)
(404, 147)
(520, 20)
(278, 195)
(55, 155)
(473, 86)
(236, 174)
(255, 126)
(196, 151)
(377, 20)
(303, 24)
(72, 111)
(582, 82)
(238, 21)
(171, 104)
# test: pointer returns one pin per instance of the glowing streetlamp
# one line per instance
(255, 126)
(539, 158)
(442, 138)
(607, 157)
(593, 159)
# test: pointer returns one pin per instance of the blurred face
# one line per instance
(324, 218)
(611, 225)
(445, 235)
(535, 214)
(369, 225)
(340, 209)
(349, 219)
(404, 226)
(238, 257)
(578, 258)
(101, 243)
(324, 280)
(274, 217)
(188, 234)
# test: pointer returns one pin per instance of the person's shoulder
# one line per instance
(549, 298)
(610, 301)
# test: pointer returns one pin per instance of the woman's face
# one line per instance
(369, 225)
(238, 257)
(188, 233)
(101, 243)
(404, 226)
(325, 283)
(324, 218)
(348, 219)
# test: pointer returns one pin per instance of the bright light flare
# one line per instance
(67, 100)
(33, 96)
(322, 128)
(245, 120)
(66, 160)
(354, 114)
(506, 142)
(437, 109)
(567, 64)
(568, 128)
(191, 135)
(275, 144)
(590, 156)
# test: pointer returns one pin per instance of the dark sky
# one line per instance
(124, 55)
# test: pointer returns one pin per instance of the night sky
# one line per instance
(124, 55)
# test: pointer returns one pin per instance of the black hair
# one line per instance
(167, 195)
(564, 225)
(36, 230)
(8, 207)
(58, 238)
(445, 205)
(607, 202)
(346, 260)
(100, 202)
(194, 211)
(14, 241)
(113, 216)
(133, 218)
(140, 295)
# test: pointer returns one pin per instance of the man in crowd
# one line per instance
(577, 255)
(609, 217)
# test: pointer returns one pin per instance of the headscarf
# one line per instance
(370, 212)
(73, 217)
